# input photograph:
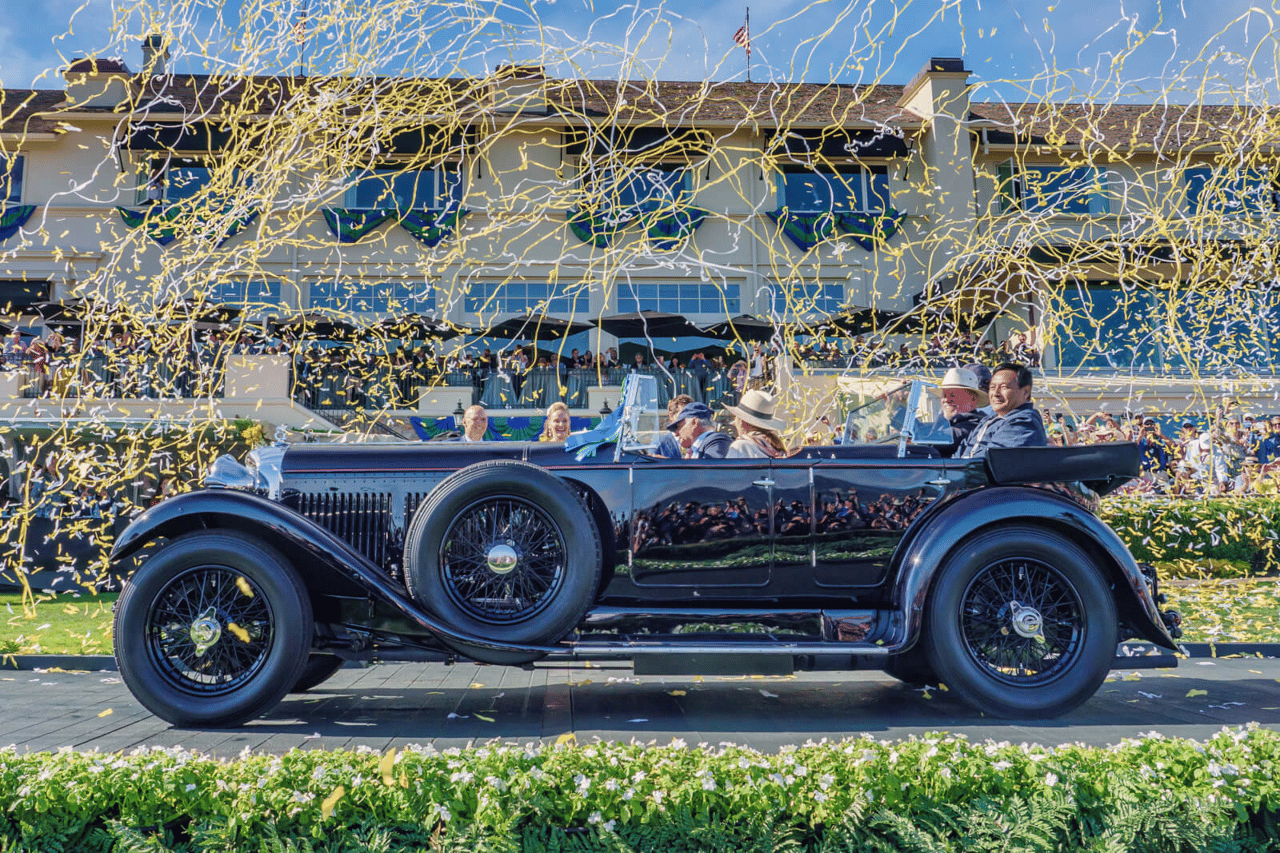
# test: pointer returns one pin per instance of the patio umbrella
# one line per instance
(745, 327)
(315, 325)
(535, 327)
(72, 311)
(653, 324)
(418, 327)
(857, 322)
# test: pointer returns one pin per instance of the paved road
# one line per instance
(397, 704)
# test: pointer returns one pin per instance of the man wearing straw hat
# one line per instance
(757, 427)
(962, 397)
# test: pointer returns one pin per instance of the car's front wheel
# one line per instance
(1021, 623)
(213, 630)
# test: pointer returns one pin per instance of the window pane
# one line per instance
(1108, 327)
(1055, 190)
(11, 177)
(808, 191)
(414, 190)
(186, 181)
(880, 199)
(1197, 181)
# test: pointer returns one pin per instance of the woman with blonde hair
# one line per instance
(556, 427)
(758, 429)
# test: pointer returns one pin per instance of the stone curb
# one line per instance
(107, 663)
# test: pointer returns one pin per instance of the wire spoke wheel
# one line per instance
(503, 559)
(210, 630)
(1022, 621)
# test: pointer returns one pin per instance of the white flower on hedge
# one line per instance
(945, 773)
(1002, 765)
(463, 776)
(820, 797)
(595, 817)
(657, 797)
(629, 793)
(1051, 779)
(609, 825)
(583, 783)
(708, 782)
(443, 812)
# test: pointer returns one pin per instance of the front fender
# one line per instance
(276, 524)
(922, 552)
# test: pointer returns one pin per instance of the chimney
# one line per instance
(155, 56)
(520, 89)
(97, 82)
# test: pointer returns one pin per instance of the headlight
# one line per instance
(227, 473)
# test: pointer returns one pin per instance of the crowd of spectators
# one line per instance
(1231, 452)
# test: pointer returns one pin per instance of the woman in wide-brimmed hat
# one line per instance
(757, 426)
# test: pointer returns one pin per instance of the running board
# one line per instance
(622, 649)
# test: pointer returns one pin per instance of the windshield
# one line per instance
(643, 419)
(889, 413)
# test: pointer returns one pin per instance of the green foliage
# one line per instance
(1214, 537)
(936, 793)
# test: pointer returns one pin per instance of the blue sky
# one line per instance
(1071, 49)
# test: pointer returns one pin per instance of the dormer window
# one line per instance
(388, 186)
(11, 167)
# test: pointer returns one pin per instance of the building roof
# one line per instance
(27, 111)
(1162, 128)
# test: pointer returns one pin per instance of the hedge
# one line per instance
(1186, 537)
(937, 792)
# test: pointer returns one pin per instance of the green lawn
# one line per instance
(62, 624)
(1218, 611)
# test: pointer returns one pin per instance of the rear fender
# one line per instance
(923, 551)
(292, 533)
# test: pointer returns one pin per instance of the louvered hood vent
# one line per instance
(362, 519)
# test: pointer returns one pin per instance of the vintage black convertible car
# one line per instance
(995, 576)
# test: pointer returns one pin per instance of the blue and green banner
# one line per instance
(523, 428)
(161, 224)
(349, 226)
(868, 230)
(429, 227)
(14, 217)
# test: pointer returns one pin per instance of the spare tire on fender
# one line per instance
(504, 550)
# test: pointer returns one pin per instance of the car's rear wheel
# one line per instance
(505, 551)
(1021, 623)
(212, 630)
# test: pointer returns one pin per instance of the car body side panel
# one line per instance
(918, 560)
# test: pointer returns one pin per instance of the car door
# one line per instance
(862, 510)
(701, 523)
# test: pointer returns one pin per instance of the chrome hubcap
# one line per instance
(502, 558)
(205, 631)
(1027, 621)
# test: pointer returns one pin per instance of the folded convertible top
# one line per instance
(1102, 467)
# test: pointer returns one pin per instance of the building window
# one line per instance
(390, 186)
(517, 297)
(1104, 325)
(1053, 190)
(1252, 192)
(840, 188)
(373, 297)
(806, 297)
(640, 188)
(246, 293)
(11, 166)
(683, 298)
(170, 180)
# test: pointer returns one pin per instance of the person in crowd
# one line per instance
(1154, 453)
(638, 364)
(13, 349)
(475, 424)
(669, 445)
(1233, 446)
(757, 426)
(759, 367)
(556, 426)
(694, 427)
(1015, 422)
(1266, 448)
(961, 399)
(1203, 466)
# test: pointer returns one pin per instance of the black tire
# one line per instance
(212, 630)
(504, 550)
(318, 669)
(980, 630)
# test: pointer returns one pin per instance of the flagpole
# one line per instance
(748, 44)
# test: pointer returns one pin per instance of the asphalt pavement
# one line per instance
(397, 704)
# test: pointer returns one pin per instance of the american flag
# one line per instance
(300, 28)
(743, 37)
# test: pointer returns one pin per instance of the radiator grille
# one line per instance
(363, 519)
